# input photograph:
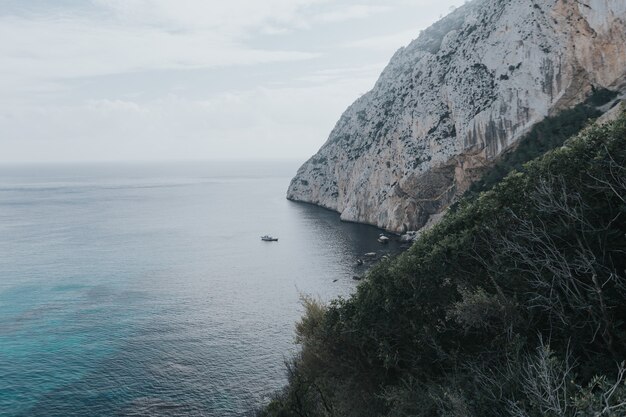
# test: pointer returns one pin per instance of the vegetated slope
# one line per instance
(453, 100)
(513, 305)
(546, 135)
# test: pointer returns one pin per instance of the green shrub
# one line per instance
(514, 304)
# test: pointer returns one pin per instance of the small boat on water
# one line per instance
(383, 239)
(268, 238)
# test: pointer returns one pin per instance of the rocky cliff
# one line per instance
(455, 98)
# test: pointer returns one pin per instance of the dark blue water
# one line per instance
(144, 290)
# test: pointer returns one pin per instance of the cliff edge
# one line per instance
(453, 100)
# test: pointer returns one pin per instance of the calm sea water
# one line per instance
(144, 290)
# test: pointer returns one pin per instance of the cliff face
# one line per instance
(455, 98)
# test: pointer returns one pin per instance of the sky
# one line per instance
(153, 80)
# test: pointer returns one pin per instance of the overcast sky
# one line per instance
(95, 80)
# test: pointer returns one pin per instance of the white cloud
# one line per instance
(365, 72)
(384, 42)
(259, 123)
(158, 79)
(231, 17)
(49, 49)
(350, 12)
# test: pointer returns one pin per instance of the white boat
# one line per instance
(268, 238)
(383, 239)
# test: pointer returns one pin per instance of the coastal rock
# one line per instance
(408, 237)
(454, 99)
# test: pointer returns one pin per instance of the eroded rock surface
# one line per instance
(455, 98)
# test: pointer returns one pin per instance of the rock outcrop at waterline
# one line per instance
(455, 98)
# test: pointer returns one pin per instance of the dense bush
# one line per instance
(513, 305)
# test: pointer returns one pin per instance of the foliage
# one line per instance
(513, 305)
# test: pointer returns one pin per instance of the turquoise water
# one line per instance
(144, 290)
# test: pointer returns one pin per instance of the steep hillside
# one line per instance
(453, 100)
(513, 305)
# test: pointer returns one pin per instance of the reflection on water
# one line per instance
(146, 290)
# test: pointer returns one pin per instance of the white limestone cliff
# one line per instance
(454, 99)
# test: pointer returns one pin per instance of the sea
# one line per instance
(144, 289)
